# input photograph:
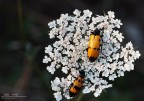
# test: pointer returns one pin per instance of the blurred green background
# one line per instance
(24, 36)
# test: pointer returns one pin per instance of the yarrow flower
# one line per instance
(69, 52)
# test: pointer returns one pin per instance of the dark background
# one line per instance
(24, 36)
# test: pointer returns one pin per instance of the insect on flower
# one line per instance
(94, 45)
(77, 84)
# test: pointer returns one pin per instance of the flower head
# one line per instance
(69, 53)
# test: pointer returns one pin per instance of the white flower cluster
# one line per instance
(69, 53)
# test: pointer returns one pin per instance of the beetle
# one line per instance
(77, 84)
(94, 45)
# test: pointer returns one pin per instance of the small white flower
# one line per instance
(52, 24)
(114, 40)
(64, 17)
(118, 23)
(56, 44)
(48, 49)
(69, 77)
(77, 12)
(64, 82)
(51, 54)
(113, 67)
(97, 92)
(46, 59)
(137, 55)
(51, 68)
(58, 66)
(58, 96)
(112, 77)
(111, 14)
(123, 53)
(92, 88)
(105, 73)
(87, 13)
(129, 66)
(86, 90)
(118, 35)
(115, 56)
(55, 86)
(120, 73)
(51, 35)
(56, 81)
(104, 82)
(129, 45)
(65, 69)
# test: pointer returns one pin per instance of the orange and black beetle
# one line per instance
(94, 45)
(77, 84)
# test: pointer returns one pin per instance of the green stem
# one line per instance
(20, 18)
(80, 97)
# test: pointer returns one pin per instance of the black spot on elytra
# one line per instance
(72, 94)
(77, 88)
(92, 59)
